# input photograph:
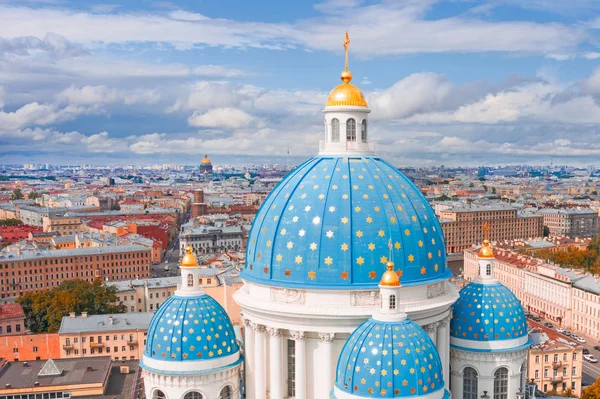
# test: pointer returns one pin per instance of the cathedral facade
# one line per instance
(346, 294)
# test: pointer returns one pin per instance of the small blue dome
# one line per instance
(488, 312)
(190, 328)
(389, 360)
(331, 222)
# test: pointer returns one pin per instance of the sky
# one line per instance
(458, 82)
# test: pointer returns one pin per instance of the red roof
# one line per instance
(11, 311)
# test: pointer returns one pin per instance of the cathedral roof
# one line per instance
(335, 221)
(487, 313)
(190, 329)
(389, 360)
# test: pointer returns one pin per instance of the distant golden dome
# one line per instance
(486, 250)
(189, 259)
(346, 94)
(205, 160)
(390, 277)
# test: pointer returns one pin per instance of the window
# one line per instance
(226, 393)
(546, 358)
(35, 349)
(18, 327)
(501, 383)
(392, 302)
(555, 358)
(8, 329)
(15, 350)
(537, 374)
(469, 383)
(363, 131)
(193, 395)
(574, 371)
(537, 360)
(488, 269)
(335, 130)
(291, 369)
(190, 280)
(158, 394)
(351, 130)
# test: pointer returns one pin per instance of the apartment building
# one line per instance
(12, 319)
(569, 297)
(571, 222)
(554, 362)
(463, 225)
(64, 225)
(38, 269)
(210, 239)
(120, 336)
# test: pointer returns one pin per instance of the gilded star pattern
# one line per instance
(370, 361)
(488, 312)
(313, 218)
(168, 340)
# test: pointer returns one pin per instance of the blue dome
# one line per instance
(488, 312)
(389, 360)
(329, 224)
(190, 328)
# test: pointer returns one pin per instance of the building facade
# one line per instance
(463, 226)
(210, 239)
(12, 319)
(571, 222)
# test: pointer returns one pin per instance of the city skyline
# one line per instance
(453, 83)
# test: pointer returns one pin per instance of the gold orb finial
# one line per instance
(189, 259)
(390, 277)
(486, 251)
(346, 76)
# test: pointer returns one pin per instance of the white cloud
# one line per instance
(90, 95)
(104, 8)
(227, 118)
(40, 115)
(2, 96)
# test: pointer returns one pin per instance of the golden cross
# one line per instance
(486, 228)
(346, 45)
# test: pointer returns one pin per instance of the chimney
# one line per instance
(84, 314)
(7, 386)
(72, 315)
(89, 369)
(110, 320)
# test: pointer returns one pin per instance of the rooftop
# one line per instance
(11, 311)
(59, 253)
(569, 211)
(101, 323)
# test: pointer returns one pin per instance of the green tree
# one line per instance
(10, 222)
(471, 185)
(17, 194)
(546, 231)
(493, 190)
(44, 310)
(593, 391)
(485, 187)
(33, 195)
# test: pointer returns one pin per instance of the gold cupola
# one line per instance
(390, 277)
(346, 94)
(205, 160)
(486, 252)
(189, 259)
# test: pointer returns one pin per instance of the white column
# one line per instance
(275, 363)
(430, 329)
(300, 363)
(327, 363)
(260, 386)
(443, 345)
(249, 359)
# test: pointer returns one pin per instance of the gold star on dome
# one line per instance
(312, 275)
(278, 258)
(344, 275)
(372, 274)
(313, 246)
(344, 247)
(303, 196)
(371, 246)
(345, 196)
(385, 196)
(365, 196)
(399, 207)
(290, 245)
(332, 209)
(381, 233)
(420, 243)
(269, 243)
(275, 218)
(407, 232)
(383, 259)
(359, 234)
(363, 381)
(298, 259)
(393, 219)
(429, 255)
(369, 219)
(334, 187)
(321, 196)
(357, 209)
(411, 258)
(436, 267)
(384, 372)
(295, 219)
(425, 230)
(371, 187)
(397, 245)
(329, 234)
(414, 218)
(355, 187)
(307, 208)
(316, 186)
(328, 260)
(423, 270)
(344, 220)
(345, 177)
(360, 260)
(377, 209)
(288, 272)
(301, 232)
(433, 241)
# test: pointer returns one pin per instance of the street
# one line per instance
(591, 371)
(172, 259)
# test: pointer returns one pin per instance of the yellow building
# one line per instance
(61, 224)
(555, 362)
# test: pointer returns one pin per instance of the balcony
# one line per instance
(132, 342)
(556, 379)
(556, 365)
(67, 347)
(96, 344)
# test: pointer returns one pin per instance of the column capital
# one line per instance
(274, 332)
(246, 322)
(326, 337)
(430, 328)
(298, 335)
(258, 328)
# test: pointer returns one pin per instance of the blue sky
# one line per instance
(449, 82)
